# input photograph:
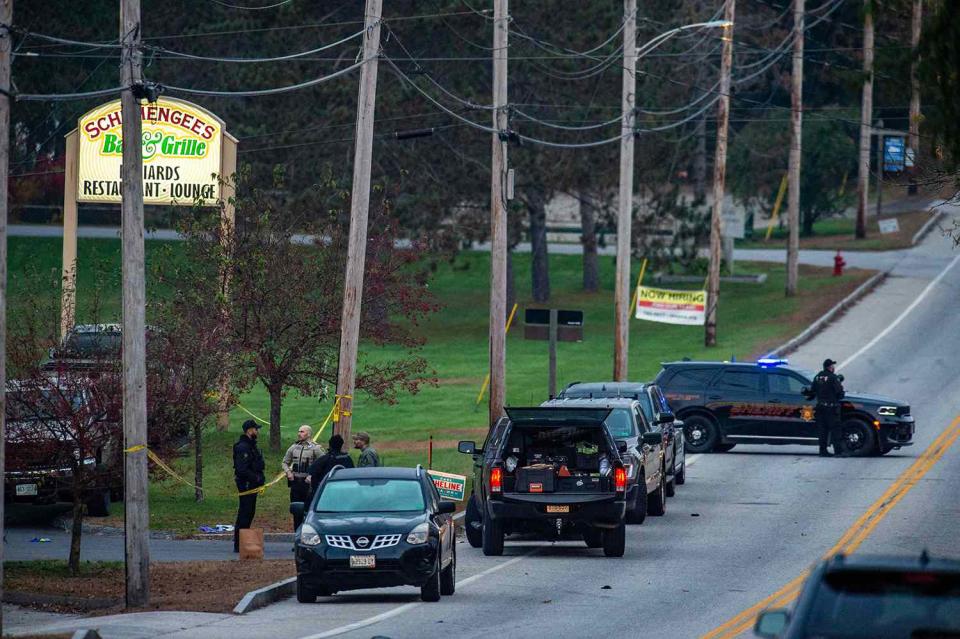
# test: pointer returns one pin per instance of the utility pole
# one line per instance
(135, 499)
(796, 125)
(498, 214)
(914, 137)
(6, 17)
(719, 175)
(359, 211)
(866, 117)
(881, 140)
(621, 347)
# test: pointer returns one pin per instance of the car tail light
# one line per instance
(620, 479)
(496, 480)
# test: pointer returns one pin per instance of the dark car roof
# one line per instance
(744, 365)
(590, 402)
(892, 562)
(379, 472)
(606, 389)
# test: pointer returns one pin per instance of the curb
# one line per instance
(265, 596)
(927, 227)
(809, 332)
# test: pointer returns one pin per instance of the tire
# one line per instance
(492, 537)
(473, 523)
(681, 478)
(98, 504)
(430, 591)
(671, 486)
(657, 500)
(724, 448)
(593, 537)
(304, 594)
(448, 577)
(639, 513)
(615, 541)
(857, 439)
(701, 433)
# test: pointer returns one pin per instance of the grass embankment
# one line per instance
(838, 233)
(752, 318)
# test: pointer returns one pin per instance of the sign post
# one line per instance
(553, 325)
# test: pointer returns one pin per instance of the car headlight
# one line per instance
(419, 534)
(309, 535)
(887, 411)
(511, 463)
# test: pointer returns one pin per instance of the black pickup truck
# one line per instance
(548, 471)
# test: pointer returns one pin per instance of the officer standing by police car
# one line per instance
(296, 461)
(248, 474)
(827, 388)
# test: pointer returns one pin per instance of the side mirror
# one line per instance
(771, 623)
(666, 418)
(652, 439)
(296, 509)
(446, 508)
(621, 446)
(467, 448)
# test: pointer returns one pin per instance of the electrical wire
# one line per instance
(64, 97)
(274, 91)
(282, 58)
(280, 3)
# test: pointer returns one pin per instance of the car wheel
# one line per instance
(657, 500)
(492, 537)
(639, 513)
(430, 591)
(593, 537)
(615, 541)
(304, 594)
(701, 433)
(724, 448)
(473, 523)
(448, 578)
(98, 505)
(857, 439)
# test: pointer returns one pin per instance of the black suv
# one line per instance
(872, 597)
(374, 528)
(549, 470)
(723, 404)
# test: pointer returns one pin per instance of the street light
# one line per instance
(666, 35)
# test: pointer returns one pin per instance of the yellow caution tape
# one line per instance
(135, 449)
(259, 419)
(486, 380)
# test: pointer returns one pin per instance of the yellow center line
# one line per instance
(853, 537)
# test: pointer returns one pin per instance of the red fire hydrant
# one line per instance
(838, 264)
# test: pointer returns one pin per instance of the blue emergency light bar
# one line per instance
(770, 362)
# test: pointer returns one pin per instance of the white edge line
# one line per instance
(902, 315)
(369, 621)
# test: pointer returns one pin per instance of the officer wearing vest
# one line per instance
(295, 463)
(828, 391)
(248, 474)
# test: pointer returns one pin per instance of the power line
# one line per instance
(280, 3)
(282, 58)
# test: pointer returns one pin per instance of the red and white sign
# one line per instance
(670, 306)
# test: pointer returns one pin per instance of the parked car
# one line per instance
(375, 527)
(656, 412)
(872, 597)
(723, 404)
(550, 470)
(646, 464)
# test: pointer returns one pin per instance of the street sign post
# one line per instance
(554, 326)
(894, 154)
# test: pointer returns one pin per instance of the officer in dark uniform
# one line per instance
(248, 473)
(324, 464)
(828, 391)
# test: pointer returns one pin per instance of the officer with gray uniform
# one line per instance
(296, 461)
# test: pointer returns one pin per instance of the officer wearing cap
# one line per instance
(828, 391)
(248, 473)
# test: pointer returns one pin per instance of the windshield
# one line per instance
(620, 424)
(370, 495)
(879, 605)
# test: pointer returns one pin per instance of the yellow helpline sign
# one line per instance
(671, 306)
(182, 148)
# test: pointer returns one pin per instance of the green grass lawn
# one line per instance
(752, 318)
(838, 233)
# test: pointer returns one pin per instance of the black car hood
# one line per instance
(866, 398)
(365, 523)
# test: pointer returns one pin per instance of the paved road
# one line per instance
(746, 523)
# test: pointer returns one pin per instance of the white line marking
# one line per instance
(902, 315)
(399, 610)
(692, 459)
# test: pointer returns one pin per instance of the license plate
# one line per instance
(558, 509)
(363, 561)
(26, 490)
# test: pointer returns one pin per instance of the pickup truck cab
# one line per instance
(546, 471)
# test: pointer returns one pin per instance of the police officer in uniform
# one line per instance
(296, 461)
(248, 473)
(828, 391)
(335, 457)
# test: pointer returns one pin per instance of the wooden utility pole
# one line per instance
(914, 137)
(866, 117)
(135, 498)
(796, 125)
(6, 17)
(719, 175)
(359, 213)
(498, 214)
(621, 347)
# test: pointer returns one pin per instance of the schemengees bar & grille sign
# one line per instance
(182, 147)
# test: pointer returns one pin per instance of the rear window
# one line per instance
(738, 381)
(370, 495)
(620, 424)
(690, 378)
